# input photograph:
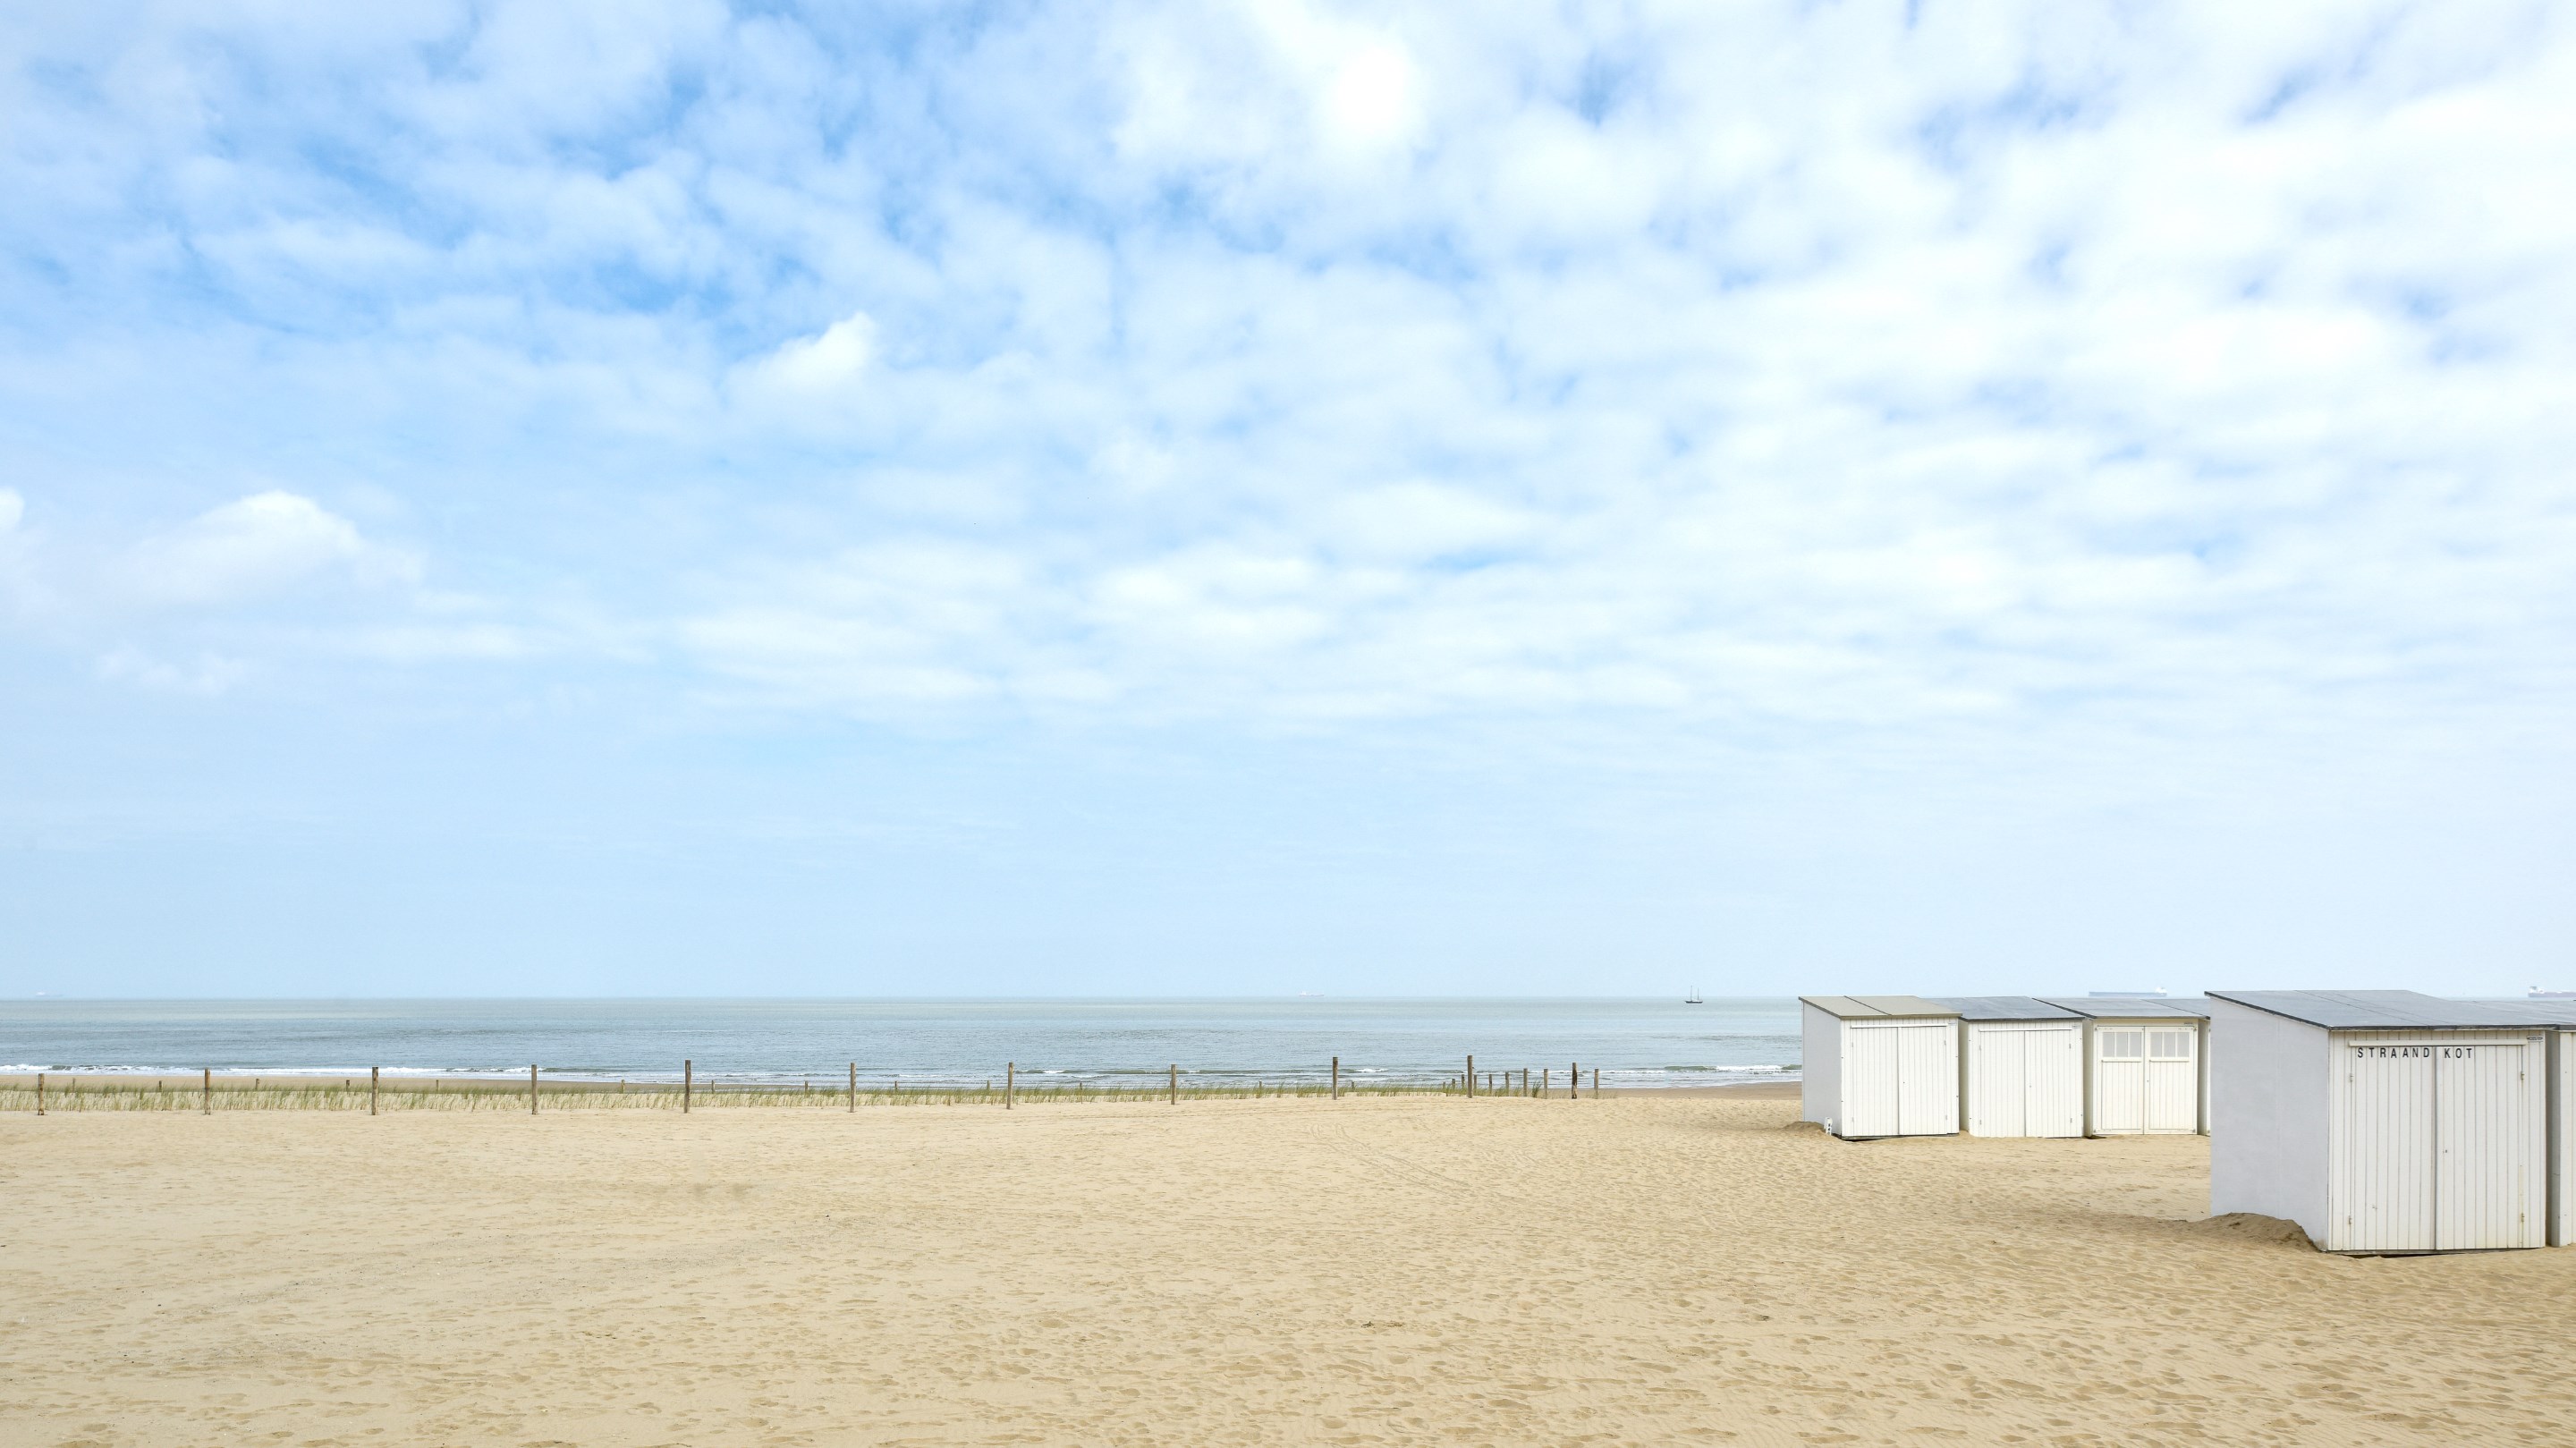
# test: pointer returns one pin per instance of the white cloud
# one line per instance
(891, 627)
(1373, 99)
(819, 366)
(1421, 521)
(1747, 367)
(20, 592)
(254, 547)
(1279, 92)
(205, 676)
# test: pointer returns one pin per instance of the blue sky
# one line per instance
(1208, 498)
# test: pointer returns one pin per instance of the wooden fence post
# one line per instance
(208, 1108)
(532, 1088)
(1543, 1087)
(1176, 1084)
(1337, 1078)
(40, 1093)
(1471, 1078)
(688, 1079)
(375, 1075)
(1010, 1082)
(854, 1088)
(1596, 1083)
(1573, 1080)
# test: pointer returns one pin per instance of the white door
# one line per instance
(1869, 1080)
(2026, 1079)
(1901, 1078)
(1928, 1074)
(2487, 1134)
(2173, 1080)
(2381, 1149)
(1998, 1082)
(2119, 1081)
(2054, 1066)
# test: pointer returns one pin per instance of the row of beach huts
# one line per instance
(2380, 1121)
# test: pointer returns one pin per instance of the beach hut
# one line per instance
(2146, 1065)
(2381, 1120)
(1879, 1065)
(2021, 1066)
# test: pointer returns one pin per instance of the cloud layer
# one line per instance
(1792, 364)
(2013, 388)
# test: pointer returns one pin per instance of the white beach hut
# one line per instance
(2381, 1120)
(2021, 1066)
(1879, 1065)
(2146, 1065)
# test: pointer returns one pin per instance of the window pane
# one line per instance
(2126, 1045)
(2172, 1045)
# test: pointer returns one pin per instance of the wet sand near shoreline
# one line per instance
(1649, 1269)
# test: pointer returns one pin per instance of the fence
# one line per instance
(841, 1089)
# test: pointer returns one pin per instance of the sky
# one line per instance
(1207, 499)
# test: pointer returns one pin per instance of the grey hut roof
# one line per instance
(2004, 1008)
(1870, 1008)
(2385, 1010)
(2534, 1013)
(2128, 1008)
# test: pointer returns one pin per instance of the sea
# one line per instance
(919, 1043)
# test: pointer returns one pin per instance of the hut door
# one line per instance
(2485, 1123)
(2027, 1081)
(2173, 1081)
(2382, 1150)
(2002, 1078)
(2054, 1067)
(1928, 1075)
(1869, 1102)
(2120, 1081)
(1903, 1081)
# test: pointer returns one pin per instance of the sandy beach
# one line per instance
(1398, 1271)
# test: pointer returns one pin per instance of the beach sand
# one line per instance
(1403, 1271)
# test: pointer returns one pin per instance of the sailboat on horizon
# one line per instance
(1693, 998)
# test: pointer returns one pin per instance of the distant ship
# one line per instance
(1693, 998)
(2552, 995)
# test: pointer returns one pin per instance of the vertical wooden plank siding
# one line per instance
(1928, 1075)
(2173, 1079)
(2380, 1153)
(2562, 1138)
(1871, 1070)
(2024, 1078)
(2490, 1144)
